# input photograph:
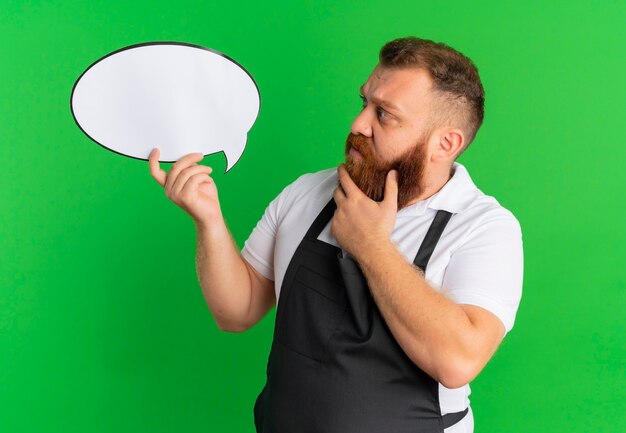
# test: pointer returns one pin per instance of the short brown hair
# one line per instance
(455, 78)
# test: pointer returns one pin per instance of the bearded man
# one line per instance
(396, 277)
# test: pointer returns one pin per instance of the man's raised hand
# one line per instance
(189, 186)
(360, 223)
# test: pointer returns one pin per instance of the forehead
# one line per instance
(408, 88)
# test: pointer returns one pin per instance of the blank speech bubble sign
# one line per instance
(178, 97)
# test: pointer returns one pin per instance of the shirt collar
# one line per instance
(455, 196)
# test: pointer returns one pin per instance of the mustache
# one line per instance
(358, 142)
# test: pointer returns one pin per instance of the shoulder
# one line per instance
(485, 210)
(473, 209)
(306, 191)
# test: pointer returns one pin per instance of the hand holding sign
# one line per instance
(177, 97)
(190, 187)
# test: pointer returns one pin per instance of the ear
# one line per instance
(450, 145)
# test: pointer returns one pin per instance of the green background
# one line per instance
(103, 327)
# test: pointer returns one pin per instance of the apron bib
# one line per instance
(334, 365)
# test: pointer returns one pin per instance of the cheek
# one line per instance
(391, 148)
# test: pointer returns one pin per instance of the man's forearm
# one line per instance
(223, 276)
(434, 332)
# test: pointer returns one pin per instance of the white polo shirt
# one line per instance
(478, 259)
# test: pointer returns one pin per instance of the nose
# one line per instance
(362, 124)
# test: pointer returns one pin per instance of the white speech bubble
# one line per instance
(178, 97)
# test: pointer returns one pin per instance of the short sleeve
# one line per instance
(258, 249)
(486, 270)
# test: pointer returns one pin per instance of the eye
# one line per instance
(382, 114)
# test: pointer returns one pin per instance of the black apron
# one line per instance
(334, 366)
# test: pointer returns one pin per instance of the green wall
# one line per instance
(103, 327)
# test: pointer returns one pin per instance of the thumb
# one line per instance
(391, 189)
(155, 170)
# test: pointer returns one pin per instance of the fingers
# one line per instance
(185, 176)
(155, 170)
(346, 182)
(391, 189)
(194, 183)
(180, 165)
(339, 195)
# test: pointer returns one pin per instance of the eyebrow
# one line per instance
(381, 102)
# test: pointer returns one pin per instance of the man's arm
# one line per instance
(450, 342)
(236, 294)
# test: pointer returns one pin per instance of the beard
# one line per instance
(370, 174)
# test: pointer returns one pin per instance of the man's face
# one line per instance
(391, 132)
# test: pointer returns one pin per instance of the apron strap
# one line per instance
(450, 419)
(428, 244)
(430, 240)
(322, 219)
